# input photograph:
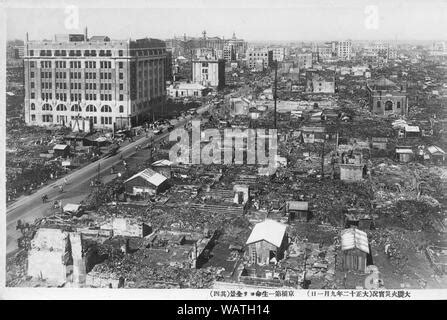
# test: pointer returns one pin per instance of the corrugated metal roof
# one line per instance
(161, 163)
(298, 205)
(70, 207)
(435, 149)
(150, 176)
(404, 151)
(354, 238)
(268, 230)
(412, 129)
(60, 147)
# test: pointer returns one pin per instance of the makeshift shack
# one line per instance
(297, 210)
(61, 150)
(404, 154)
(72, 208)
(145, 183)
(412, 132)
(267, 242)
(163, 167)
(355, 249)
(436, 154)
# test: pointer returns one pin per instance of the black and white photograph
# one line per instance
(224, 150)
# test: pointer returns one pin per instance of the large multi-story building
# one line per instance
(344, 49)
(323, 52)
(209, 72)
(386, 98)
(112, 83)
(278, 54)
(239, 46)
(255, 55)
(304, 60)
(380, 50)
(229, 53)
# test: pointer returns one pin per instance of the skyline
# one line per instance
(283, 21)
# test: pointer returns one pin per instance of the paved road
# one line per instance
(31, 207)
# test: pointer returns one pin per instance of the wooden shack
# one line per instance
(298, 210)
(145, 183)
(61, 150)
(355, 249)
(267, 242)
(404, 154)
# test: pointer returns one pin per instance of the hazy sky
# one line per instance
(251, 20)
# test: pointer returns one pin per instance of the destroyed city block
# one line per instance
(355, 184)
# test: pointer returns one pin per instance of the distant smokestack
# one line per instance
(27, 39)
(85, 34)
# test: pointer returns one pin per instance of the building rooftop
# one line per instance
(268, 230)
(382, 84)
(354, 238)
(150, 176)
(298, 205)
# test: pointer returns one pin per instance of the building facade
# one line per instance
(305, 60)
(113, 83)
(183, 90)
(255, 55)
(344, 50)
(386, 98)
(320, 81)
(209, 72)
(279, 54)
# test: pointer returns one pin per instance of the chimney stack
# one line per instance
(85, 34)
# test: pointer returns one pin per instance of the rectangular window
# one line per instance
(33, 117)
(121, 86)
(120, 53)
(121, 76)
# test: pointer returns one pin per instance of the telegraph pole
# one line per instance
(276, 86)
(322, 157)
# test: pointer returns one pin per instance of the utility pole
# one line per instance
(276, 85)
(322, 157)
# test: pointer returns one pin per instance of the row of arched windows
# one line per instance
(76, 108)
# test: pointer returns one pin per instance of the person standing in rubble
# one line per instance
(387, 250)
